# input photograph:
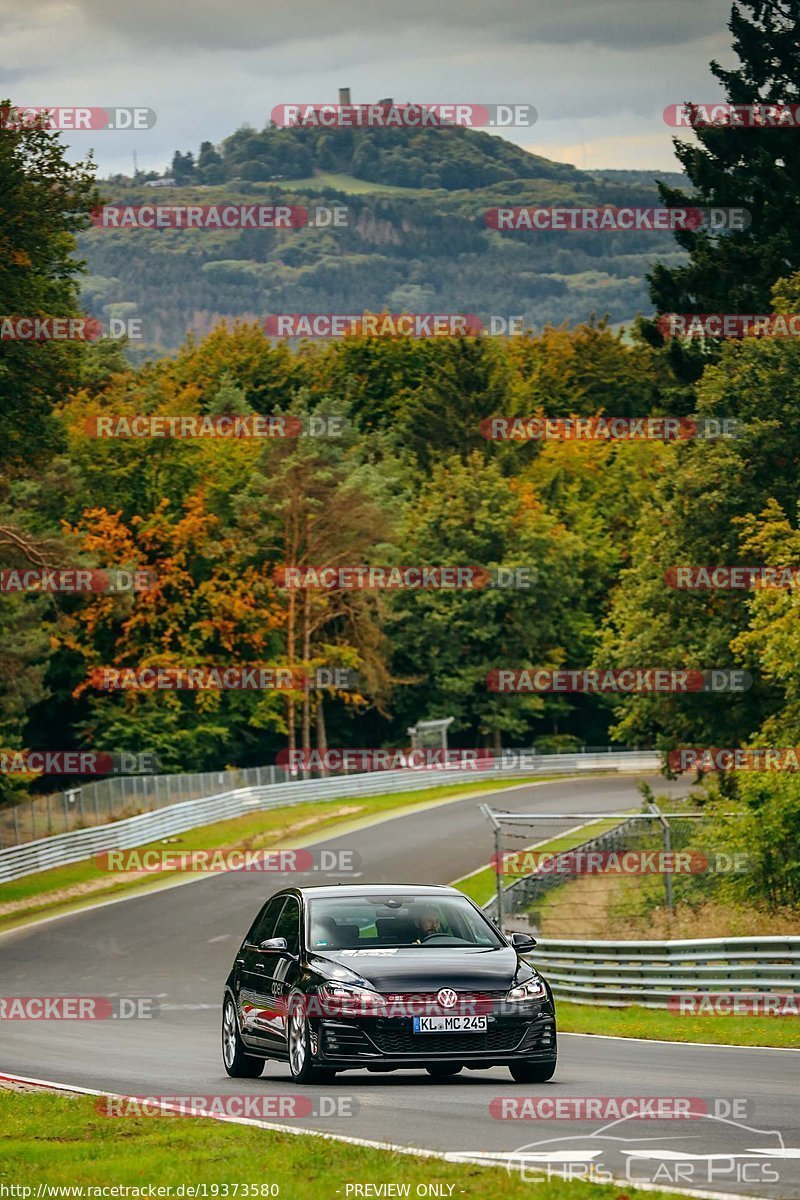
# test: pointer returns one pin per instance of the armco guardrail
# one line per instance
(112, 797)
(100, 801)
(26, 859)
(650, 973)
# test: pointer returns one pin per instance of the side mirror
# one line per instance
(522, 941)
(274, 946)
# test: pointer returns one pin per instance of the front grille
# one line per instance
(400, 1040)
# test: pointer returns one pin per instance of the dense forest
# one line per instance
(409, 478)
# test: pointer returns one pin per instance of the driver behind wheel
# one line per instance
(428, 924)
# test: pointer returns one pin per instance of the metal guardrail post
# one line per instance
(498, 862)
(667, 851)
(498, 866)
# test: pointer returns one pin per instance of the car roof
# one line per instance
(375, 889)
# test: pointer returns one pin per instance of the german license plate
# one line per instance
(450, 1024)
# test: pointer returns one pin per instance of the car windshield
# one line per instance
(394, 921)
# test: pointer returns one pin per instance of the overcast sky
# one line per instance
(599, 72)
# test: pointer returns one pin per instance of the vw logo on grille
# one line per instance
(447, 997)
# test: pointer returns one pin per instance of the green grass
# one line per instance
(271, 828)
(63, 1140)
(636, 1022)
(343, 183)
(481, 885)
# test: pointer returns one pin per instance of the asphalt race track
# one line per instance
(178, 945)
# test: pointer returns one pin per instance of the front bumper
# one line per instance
(391, 1041)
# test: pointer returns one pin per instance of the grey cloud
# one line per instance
(266, 24)
(10, 75)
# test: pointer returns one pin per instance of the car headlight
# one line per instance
(349, 998)
(533, 989)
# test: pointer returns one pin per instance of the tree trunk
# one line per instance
(290, 648)
(322, 733)
(306, 712)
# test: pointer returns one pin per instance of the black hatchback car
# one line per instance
(382, 977)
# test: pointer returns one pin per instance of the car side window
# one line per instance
(264, 925)
(288, 925)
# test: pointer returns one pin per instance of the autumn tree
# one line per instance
(315, 502)
(206, 607)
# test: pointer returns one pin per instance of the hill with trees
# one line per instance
(416, 238)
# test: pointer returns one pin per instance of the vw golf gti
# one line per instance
(339, 978)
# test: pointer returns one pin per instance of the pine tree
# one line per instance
(753, 168)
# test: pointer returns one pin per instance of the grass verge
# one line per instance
(63, 1140)
(657, 1023)
(69, 887)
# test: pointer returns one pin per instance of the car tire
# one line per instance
(302, 1068)
(237, 1062)
(529, 1071)
(443, 1070)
